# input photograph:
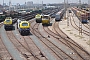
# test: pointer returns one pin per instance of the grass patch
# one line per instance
(80, 37)
(71, 33)
(68, 30)
(75, 35)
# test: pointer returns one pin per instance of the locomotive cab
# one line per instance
(8, 24)
(46, 19)
(57, 17)
(38, 18)
(24, 27)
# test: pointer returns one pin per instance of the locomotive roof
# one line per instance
(45, 15)
(24, 22)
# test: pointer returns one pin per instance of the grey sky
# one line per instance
(40, 1)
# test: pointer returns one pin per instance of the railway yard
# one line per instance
(60, 40)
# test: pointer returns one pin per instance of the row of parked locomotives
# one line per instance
(82, 15)
(59, 15)
(44, 19)
(48, 11)
(23, 27)
(8, 23)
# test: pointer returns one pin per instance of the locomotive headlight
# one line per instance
(27, 29)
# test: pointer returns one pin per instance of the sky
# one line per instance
(40, 1)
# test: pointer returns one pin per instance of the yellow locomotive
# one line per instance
(8, 23)
(38, 18)
(46, 20)
(24, 27)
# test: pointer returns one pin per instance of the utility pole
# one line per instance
(67, 3)
(89, 17)
(42, 5)
(65, 8)
(88, 2)
(9, 7)
(80, 24)
(89, 26)
(26, 5)
(3, 2)
(67, 15)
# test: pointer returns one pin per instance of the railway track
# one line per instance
(19, 46)
(73, 45)
(79, 48)
(42, 39)
(86, 25)
(65, 41)
(74, 24)
(59, 45)
(29, 44)
(77, 27)
(35, 51)
(50, 44)
(23, 48)
(4, 54)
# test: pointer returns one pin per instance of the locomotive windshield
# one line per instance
(57, 16)
(45, 17)
(24, 24)
(7, 21)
